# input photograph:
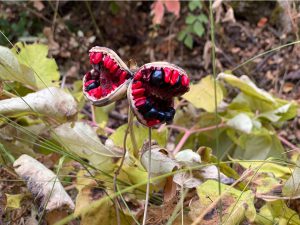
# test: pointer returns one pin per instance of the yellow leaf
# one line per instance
(202, 94)
(14, 201)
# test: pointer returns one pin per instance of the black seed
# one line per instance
(169, 117)
(146, 107)
(169, 114)
(151, 114)
(157, 77)
(161, 116)
(92, 86)
(171, 110)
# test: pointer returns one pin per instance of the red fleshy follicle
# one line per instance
(88, 83)
(152, 91)
(108, 80)
(96, 92)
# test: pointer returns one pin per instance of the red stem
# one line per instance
(287, 143)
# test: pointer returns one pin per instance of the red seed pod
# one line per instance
(109, 78)
(152, 90)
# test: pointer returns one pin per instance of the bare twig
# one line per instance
(287, 143)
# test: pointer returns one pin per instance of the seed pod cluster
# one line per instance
(108, 80)
(150, 90)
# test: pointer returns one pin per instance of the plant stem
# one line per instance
(131, 131)
(181, 142)
(148, 180)
(189, 132)
(287, 143)
(94, 21)
(117, 205)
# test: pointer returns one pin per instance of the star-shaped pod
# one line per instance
(151, 92)
(109, 78)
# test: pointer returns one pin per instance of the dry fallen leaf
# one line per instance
(52, 101)
(42, 183)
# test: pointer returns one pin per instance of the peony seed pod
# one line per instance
(151, 92)
(109, 78)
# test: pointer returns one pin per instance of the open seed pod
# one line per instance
(151, 92)
(109, 78)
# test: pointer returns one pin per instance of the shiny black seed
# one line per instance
(171, 110)
(157, 77)
(161, 116)
(169, 115)
(92, 86)
(151, 114)
(146, 107)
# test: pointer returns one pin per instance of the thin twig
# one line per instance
(287, 143)
(148, 181)
(189, 132)
(94, 21)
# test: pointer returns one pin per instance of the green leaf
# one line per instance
(198, 28)
(281, 213)
(12, 70)
(101, 114)
(34, 57)
(282, 113)
(190, 19)
(202, 94)
(182, 34)
(241, 122)
(194, 4)
(188, 41)
(141, 134)
(237, 205)
(279, 170)
(202, 18)
(256, 147)
(247, 87)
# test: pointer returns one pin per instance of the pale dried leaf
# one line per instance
(52, 101)
(161, 163)
(229, 16)
(241, 122)
(82, 140)
(186, 180)
(188, 157)
(42, 183)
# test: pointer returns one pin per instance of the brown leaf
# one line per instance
(38, 5)
(170, 189)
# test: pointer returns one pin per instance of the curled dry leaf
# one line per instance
(186, 180)
(161, 163)
(80, 139)
(188, 157)
(52, 101)
(42, 183)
